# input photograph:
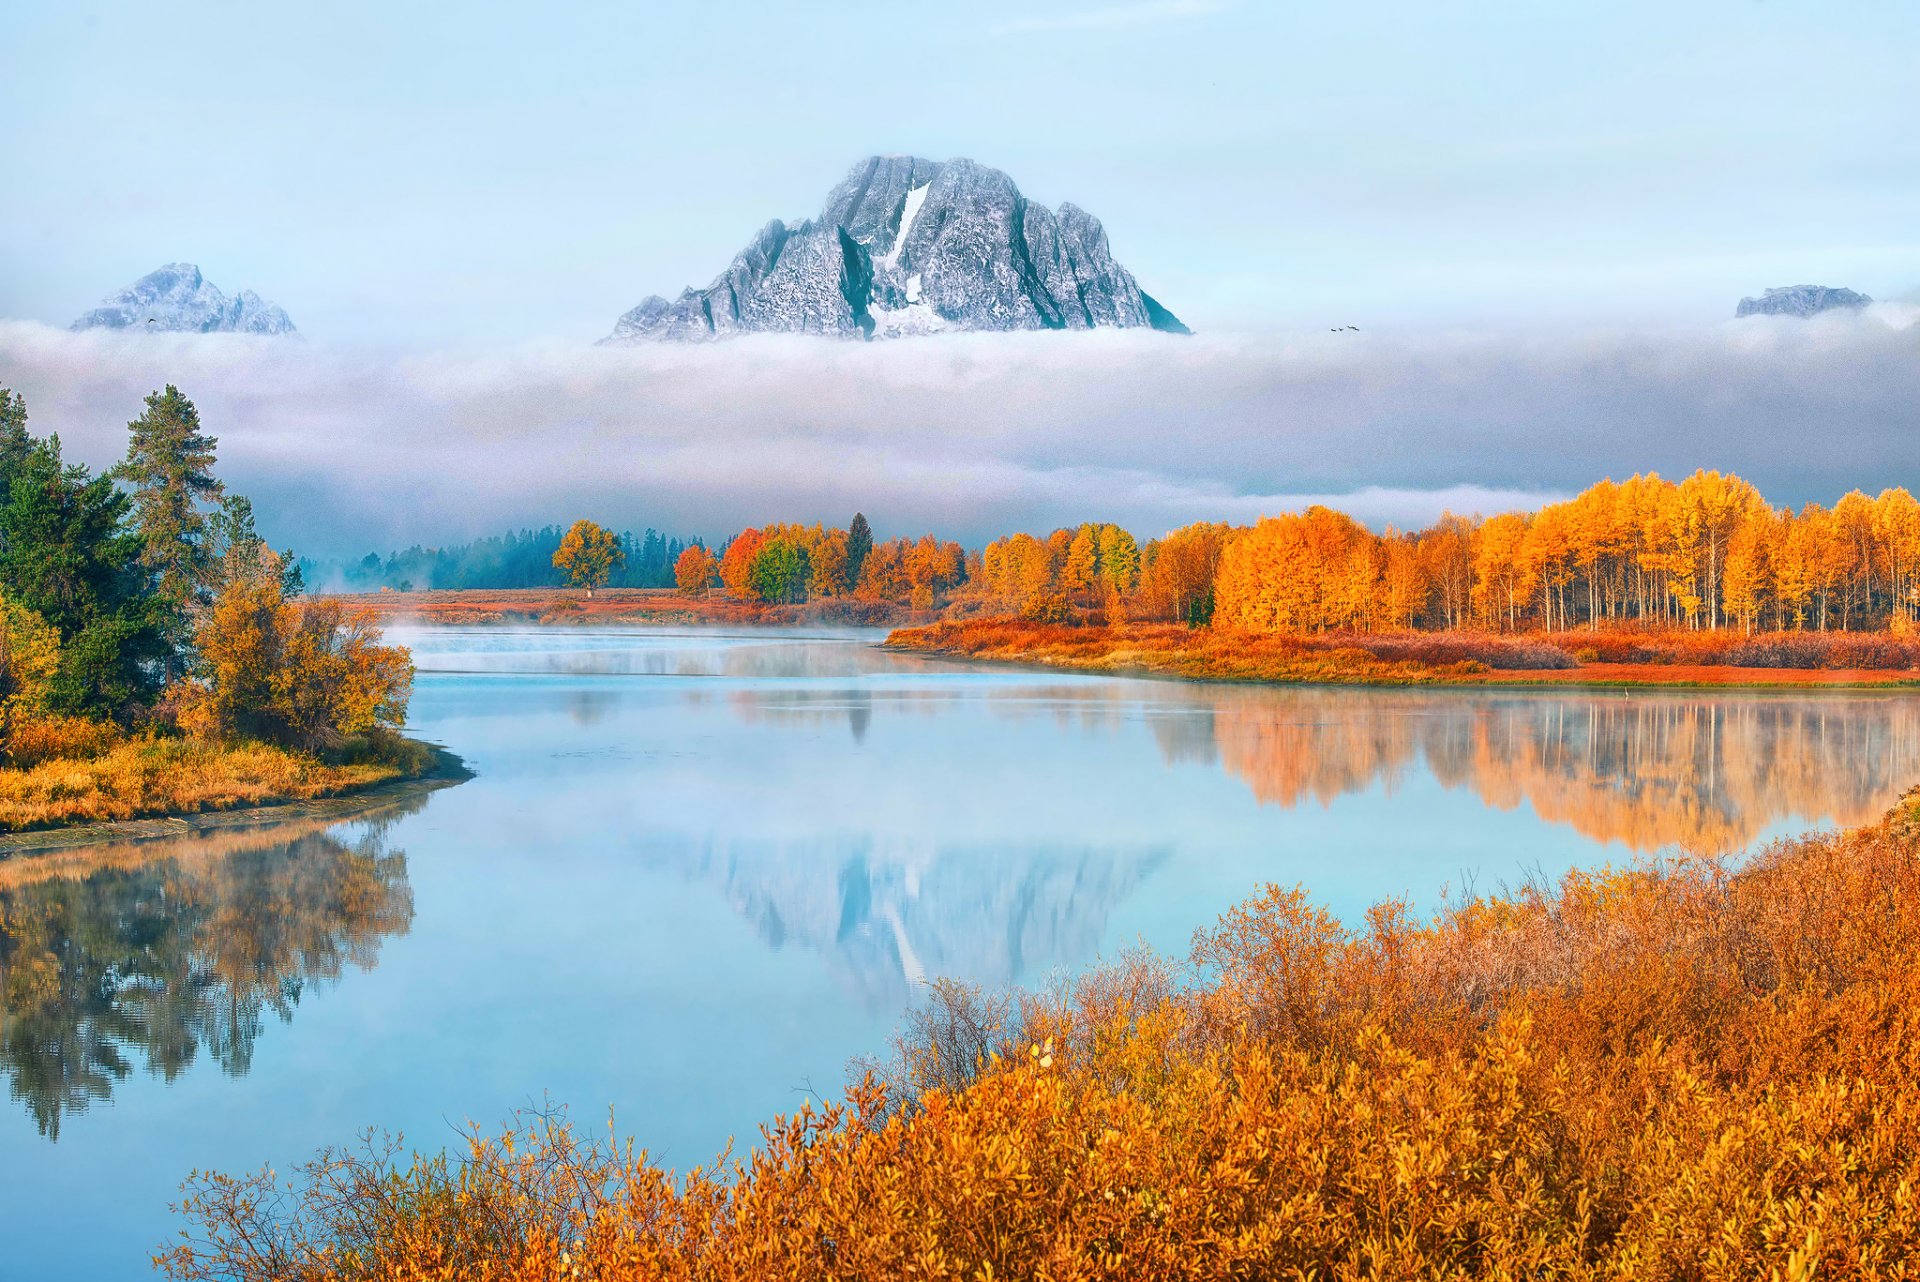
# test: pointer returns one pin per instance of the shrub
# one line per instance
(308, 675)
(1825, 650)
(46, 738)
(1437, 649)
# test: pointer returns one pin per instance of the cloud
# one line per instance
(351, 449)
(1150, 13)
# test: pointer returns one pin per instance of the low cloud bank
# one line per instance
(353, 449)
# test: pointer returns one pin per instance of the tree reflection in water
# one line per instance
(155, 953)
(1709, 773)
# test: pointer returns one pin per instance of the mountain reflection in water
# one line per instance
(158, 952)
(888, 919)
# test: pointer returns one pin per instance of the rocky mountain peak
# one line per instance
(1800, 300)
(178, 299)
(905, 245)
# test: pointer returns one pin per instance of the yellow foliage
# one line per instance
(588, 555)
(33, 740)
(1682, 1070)
(174, 776)
(29, 658)
(308, 674)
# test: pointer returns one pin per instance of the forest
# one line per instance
(156, 655)
(516, 559)
(1704, 553)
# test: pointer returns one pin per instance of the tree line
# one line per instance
(143, 598)
(1705, 552)
(517, 559)
(785, 564)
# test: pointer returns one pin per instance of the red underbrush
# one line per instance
(1881, 651)
(1689, 1069)
(1401, 658)
(1175, 649)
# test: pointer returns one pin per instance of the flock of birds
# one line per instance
(1341, 329)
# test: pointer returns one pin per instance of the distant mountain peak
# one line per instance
(176, 298)
(906, 245)
(1800, 300)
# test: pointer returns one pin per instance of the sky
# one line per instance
(1539, 215)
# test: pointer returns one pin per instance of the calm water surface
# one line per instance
(696, 873)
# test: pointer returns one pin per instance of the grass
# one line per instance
(145, 777)
(1691, 1069)
(1427, 658)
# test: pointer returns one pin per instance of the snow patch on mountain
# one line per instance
(176, 298)
(906, 245)
(1800, 300)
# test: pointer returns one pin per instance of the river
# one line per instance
(696, 873)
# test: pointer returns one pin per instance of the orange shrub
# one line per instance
(33, 740)
(309, 674)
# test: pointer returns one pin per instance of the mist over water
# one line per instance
(352, 449)
(698, 871)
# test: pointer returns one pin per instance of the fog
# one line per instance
(347, 449)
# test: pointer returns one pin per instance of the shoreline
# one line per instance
(446, 771)
(1622, 678)
(663, 607)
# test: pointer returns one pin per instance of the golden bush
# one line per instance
(307, 674)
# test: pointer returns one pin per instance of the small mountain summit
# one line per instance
(912, 246)
(178, 299)
(1800, 300)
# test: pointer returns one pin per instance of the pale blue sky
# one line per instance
(441, 174)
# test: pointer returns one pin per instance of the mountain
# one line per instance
(1800, 300)
(177, 298)
(911, 246)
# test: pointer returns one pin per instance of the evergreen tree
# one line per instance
(169, 466)
(65, 554)
(14, 441)
(240, 555)
(859, 544)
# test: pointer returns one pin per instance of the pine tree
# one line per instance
(14, 441)
(859, 544)
(65, 555)
(169, 467)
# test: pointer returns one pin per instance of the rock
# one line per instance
(1800, 300)
(178, 299)
(911, 246)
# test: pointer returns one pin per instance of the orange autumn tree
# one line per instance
(696, 570)
(588, 555)
(310, 675)
(1706, 552)
(1177, 581)
(736, 563)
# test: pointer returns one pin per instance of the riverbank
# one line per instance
(1409, 659)
(654, 606)
(165, 787)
